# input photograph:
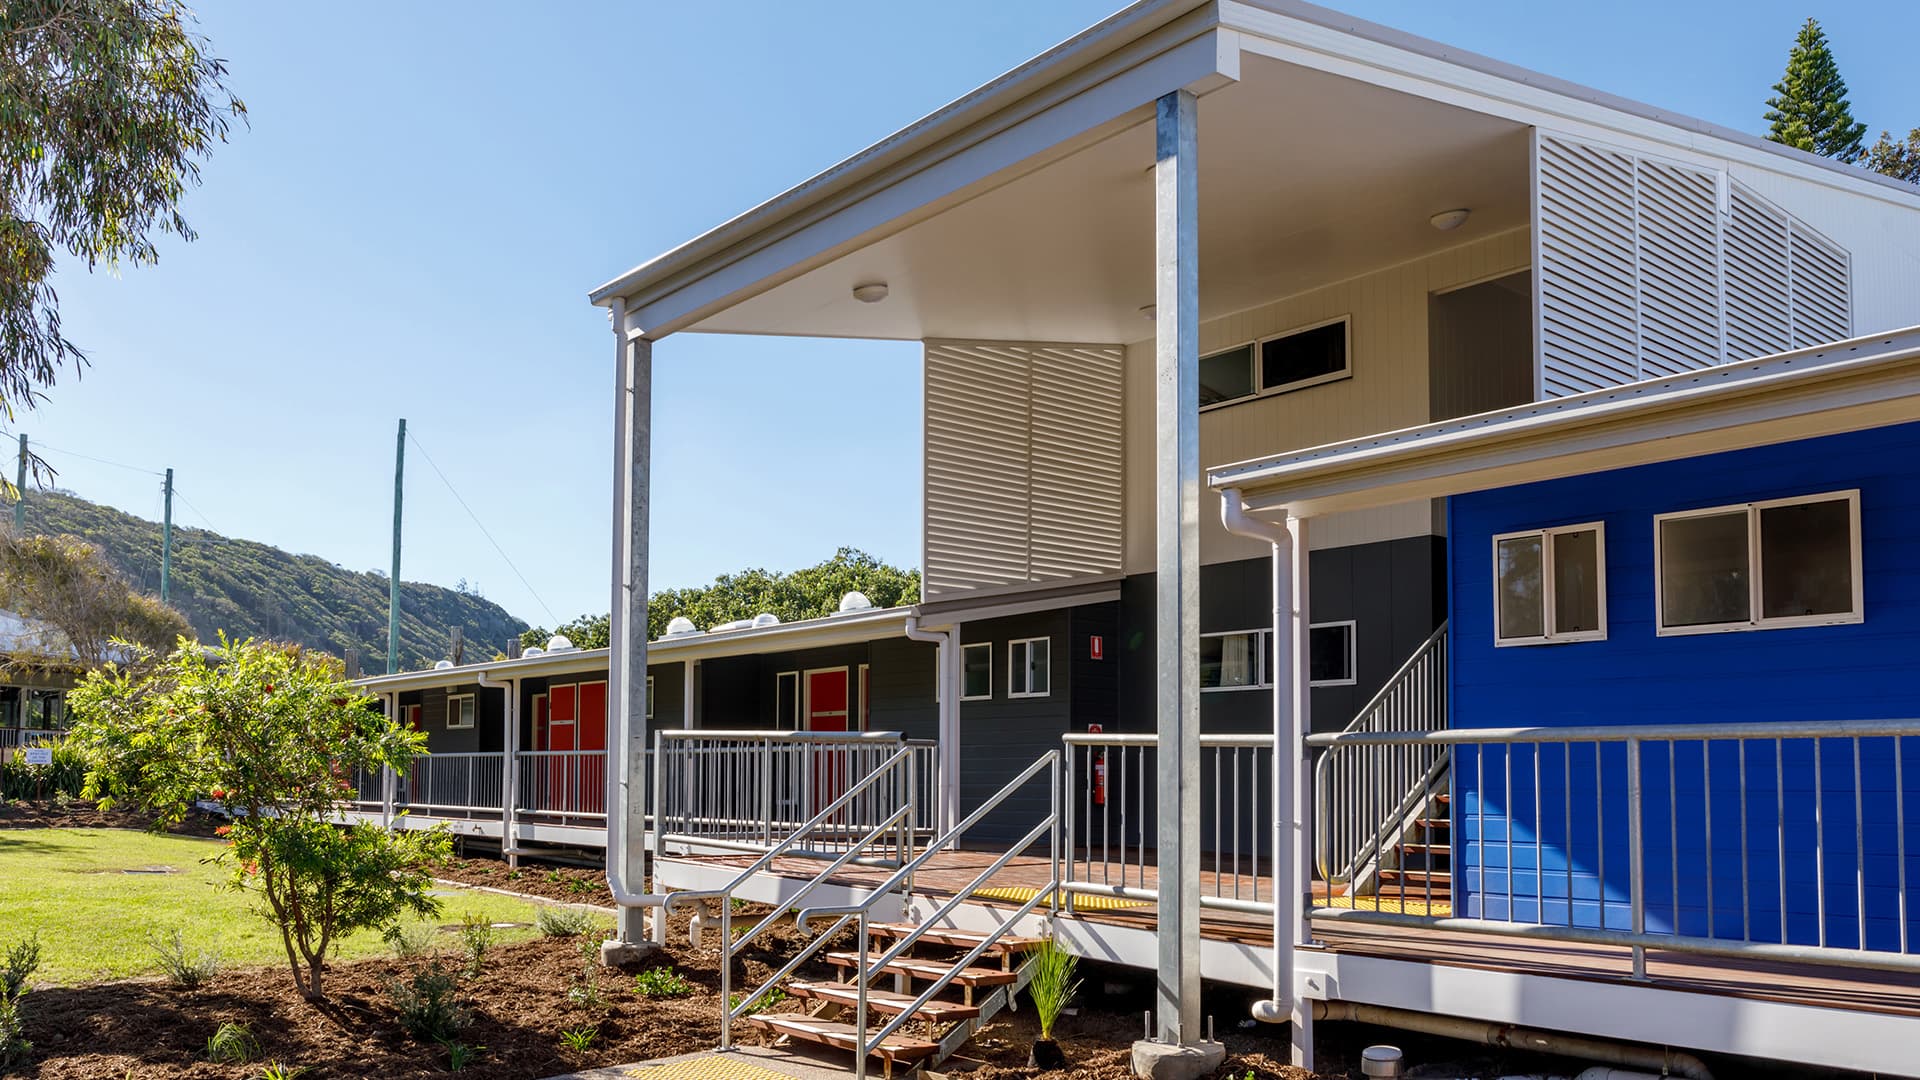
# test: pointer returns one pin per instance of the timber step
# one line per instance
(844, 1037)
(957, 939)
(1438, 878)
(1428, 848)
(927, 969)
(940, 1012)
(1434, 823)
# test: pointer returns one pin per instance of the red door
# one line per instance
(563, 788)
(590, 733)
(826, 706)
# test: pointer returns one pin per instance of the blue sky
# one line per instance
(427, 191)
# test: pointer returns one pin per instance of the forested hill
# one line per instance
(251, 589)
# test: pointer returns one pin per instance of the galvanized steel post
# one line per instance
(627, 631)
(1176, 421)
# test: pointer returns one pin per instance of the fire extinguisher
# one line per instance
(1099, 770)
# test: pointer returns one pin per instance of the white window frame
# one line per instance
(453, 712)
(1756, 574)
(799, 718)
(1353, 652)
(1263, 638)
(1262, 679)
(1018, 643)
(1549, 609)
(964, 650)
(1259, 371)
(649, 697)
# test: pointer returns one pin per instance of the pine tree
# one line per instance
(1809, 108)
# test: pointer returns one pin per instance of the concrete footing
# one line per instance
(1171, 1061)
(624, 953)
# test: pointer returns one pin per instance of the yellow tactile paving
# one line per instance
(706, 1068)
(1020, 894)
(1409, 906)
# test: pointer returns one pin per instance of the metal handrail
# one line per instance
(1412, 778)
(1050, 825)
(1767, 769)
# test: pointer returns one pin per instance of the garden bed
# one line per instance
(570, 884)
(71, 813)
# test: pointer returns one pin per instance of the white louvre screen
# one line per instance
(1023, 460)
(1586, 279)
(1645, 271)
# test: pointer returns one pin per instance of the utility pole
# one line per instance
(393, 582)
(20, 489)
(166, 540)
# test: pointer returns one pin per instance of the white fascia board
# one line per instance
(1617, 1009)
(1326, 40)
(1847, 386)
(546, 664)
(918, 173)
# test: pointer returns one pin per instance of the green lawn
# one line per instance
(94, 919)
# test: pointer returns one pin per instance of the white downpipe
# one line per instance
(946, 664)
(1286, 749)
(510, 772)
(387, 780)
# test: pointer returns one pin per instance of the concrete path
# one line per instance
(740, 1063)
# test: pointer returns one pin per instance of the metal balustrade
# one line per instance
(1111, 799)
(1376, 789)
(12, 739)
(1784, 840)
(451, 783)
(570, 785)
(748, 790)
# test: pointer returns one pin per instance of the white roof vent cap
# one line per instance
(559, 643)
(442, 665)
(535, 651)
(680, 626)
(855, 601)
(766, 618)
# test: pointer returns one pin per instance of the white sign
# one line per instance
(39, 755)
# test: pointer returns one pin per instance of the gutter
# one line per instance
(946, 674)
(1288, 756)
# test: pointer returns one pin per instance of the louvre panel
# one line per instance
(1822, 309)
(1756, 255)
(1077, 484)
(1678, 236)
(1586, 276)
(976, 467)
(1023, 463)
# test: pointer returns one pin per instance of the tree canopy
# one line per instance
(1809, 107)
(807, 593)
(69, 584)
(107, 109)
(1898, 159)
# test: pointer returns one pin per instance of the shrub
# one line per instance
(476, 937)
(563, 922)
(66, 778)
(182, 968)
(661, 983)
(1053, 984)
(429, 1004)
(277, 1071)
(15, 1050)
(410, 941)
(273, 734)
(23, 959)
(768, 1000)
(232, 1044)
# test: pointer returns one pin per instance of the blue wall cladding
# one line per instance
(1542, 834)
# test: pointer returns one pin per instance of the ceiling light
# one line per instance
(1449, 220)
(1147, 312)
(871, 292)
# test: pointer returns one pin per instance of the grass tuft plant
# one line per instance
(277, 1071)
(184, 969)
(1053, 984)
(232, 1044)
(768, 1000)
(409, 941)
(579, 1040)
(476, 937)
(460, 1055)
(429, 1004)
(563, 922)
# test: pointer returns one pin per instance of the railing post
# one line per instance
(726, 970)
(659, 830)
(1636, 862)
(860, 1010)
(1069, 786)
(1053, 788)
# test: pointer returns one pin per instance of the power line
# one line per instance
(178, 494)
(97, 460)
(483, 529)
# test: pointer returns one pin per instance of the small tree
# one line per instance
(1809, 108)
(69, 584)
(274, 735)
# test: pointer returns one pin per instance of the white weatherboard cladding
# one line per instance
(1646, 269)
(1023, 463)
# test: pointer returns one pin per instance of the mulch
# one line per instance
(70, 813)
(572, 884)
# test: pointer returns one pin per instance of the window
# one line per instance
(459, 711)
(410, 717)
(1330, 653)
(865, 713)
(1243, 659)
(1760, 566)
(649, 697)
(976, 671)
(1550, 585)
(1027, 668)
(1298, 358)
(786, 686)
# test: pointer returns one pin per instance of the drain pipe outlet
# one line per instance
(946, 662)
(1286, 917)
(1662, 1062)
